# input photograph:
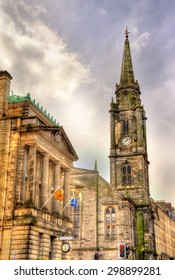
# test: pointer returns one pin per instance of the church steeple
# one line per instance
(127, 73)
(128, 90)
(128, 153)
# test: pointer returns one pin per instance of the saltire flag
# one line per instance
(74, 202)
(58, 195)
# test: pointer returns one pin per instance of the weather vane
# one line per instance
(126, 32)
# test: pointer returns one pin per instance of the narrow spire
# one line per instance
(95, 165)
(127, 73)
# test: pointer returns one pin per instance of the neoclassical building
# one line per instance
(36, 157)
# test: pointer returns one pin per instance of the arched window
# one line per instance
(126, 174)
(110, 221)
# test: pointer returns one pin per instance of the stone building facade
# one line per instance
(36, 157)
(164, 223)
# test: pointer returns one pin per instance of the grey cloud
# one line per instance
(90, 45)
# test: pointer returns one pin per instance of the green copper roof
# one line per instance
(127, 73)
(17, 98)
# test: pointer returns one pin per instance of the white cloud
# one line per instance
(40, 63)
(141, 42)
(37, 57)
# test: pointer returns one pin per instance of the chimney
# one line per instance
(5, 79)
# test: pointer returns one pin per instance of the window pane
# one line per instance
(129, 169)
(76, 220)
(113, 218)
(124, 169)
(107, 232)
(113, 232)
(113, 215)
(125, 126)
(77, 208)
(107, 218)
(76, 233)
(124, 180)
(129, 179)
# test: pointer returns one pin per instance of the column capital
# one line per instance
(45, 154)
(67, 170)
(33, 145)
(57, 162)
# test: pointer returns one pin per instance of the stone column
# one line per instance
(45, 180)
(30, 190)
(66, 192)
(56, 185)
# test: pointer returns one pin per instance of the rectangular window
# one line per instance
(76, 216)
(125, 126)
(146, 222)
(51, 247)
(76, 232)
(110, 221)
(76, 220)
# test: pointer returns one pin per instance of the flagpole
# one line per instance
(67, 204)
(50, 197)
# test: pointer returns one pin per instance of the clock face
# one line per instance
(65, 247)
(125, 141)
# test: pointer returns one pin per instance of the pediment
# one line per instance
(59, 137)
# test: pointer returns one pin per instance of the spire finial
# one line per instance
(126, 32)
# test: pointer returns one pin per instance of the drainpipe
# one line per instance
(97, 213)
(97, 200)
(3, 210)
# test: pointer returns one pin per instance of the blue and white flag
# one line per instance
(74, 202)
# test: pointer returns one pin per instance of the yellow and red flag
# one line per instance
(58, 195)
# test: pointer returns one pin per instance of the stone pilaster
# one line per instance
(45, 180)
(66, 192)
(30, 189)
(56, 254)
(57, 184)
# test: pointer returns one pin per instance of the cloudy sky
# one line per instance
(67, 54)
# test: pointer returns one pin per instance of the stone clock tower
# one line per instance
(128, 153)
(129, 160)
